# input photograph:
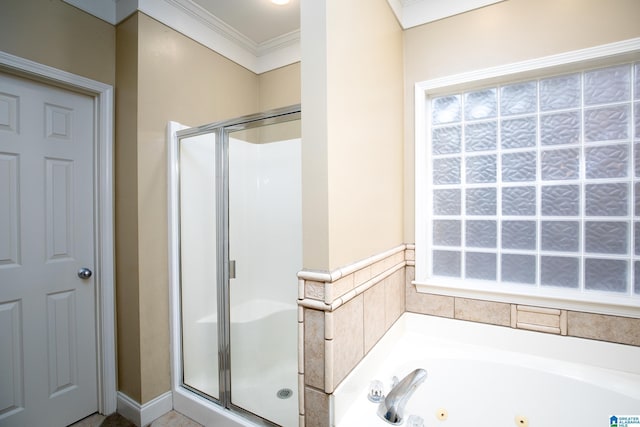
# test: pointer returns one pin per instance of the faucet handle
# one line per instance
(394, 381)
(415, 421)
(376, 391)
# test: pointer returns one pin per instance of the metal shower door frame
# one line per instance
(222, 130)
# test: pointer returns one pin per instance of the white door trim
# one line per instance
(104, 270)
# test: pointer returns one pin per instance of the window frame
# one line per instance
(570, 299)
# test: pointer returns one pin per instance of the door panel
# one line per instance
(9, 209)
(11, 372)
(48, 363)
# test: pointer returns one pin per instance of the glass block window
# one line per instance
(537, 183)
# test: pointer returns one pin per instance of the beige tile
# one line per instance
(377, 268)
(409, 274)
(374, 315)
(174, 419)
(314, 290)
(410, 255)
(348, 340)
(563, 322)
(341, 287)
(116, 420)
(436, 305)
(394, 297)
(542, 319)
(329, 363)
(537, 319)
(361, 276)
(301, 288)
(396, 259)
(417, 302)
(301, 394)
(495, 313)
(301, 347)
(91, 421)
(617, 329)
(316, 408)
(328, 325)
(314, 348)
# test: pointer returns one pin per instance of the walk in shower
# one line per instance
(236, 218)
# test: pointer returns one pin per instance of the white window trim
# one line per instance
(596, 302)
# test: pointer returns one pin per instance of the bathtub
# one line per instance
(491, 376)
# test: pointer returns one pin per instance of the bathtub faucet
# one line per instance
(391, 409)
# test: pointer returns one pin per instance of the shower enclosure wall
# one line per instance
(237, 247)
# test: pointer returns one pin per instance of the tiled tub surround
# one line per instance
(344, 313)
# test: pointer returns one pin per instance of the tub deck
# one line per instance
(483, 375)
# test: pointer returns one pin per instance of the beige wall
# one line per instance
(53, 33)
(279, 88)
(180, 80)
(126, 208)
(315, 182)
(506, 32)
(352, 133)
(183, 81)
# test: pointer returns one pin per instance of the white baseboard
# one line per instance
(143, 415)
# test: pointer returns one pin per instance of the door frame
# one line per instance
(102, 95)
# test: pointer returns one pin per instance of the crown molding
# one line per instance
(195, 22)
(411, 13)
(205, 18)
(280, 42)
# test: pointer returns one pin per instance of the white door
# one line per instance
(48, 363)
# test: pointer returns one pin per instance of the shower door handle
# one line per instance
(232, 269)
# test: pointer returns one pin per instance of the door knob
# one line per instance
(84, 273)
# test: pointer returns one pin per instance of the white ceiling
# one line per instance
(259, 20)
(255, 33)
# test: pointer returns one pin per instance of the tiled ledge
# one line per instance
(622, 330)
(328, 290)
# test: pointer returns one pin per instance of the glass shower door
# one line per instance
(240, 248)
(198, 266)
(265, 245)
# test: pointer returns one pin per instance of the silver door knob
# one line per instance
(84, 273)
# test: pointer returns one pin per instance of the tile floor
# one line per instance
(170, 419)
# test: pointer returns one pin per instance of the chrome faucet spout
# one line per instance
(391, 409)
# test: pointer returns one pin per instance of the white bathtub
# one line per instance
(490, 376)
